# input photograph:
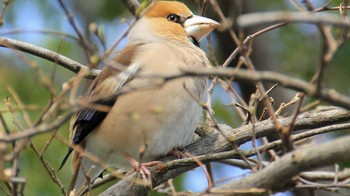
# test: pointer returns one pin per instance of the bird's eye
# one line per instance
(173, 17)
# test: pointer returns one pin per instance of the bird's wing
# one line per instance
(105, 86)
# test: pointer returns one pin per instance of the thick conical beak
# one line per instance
(197, 26)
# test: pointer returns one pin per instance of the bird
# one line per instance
(147, 116)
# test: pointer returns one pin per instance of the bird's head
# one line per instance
(171, 20)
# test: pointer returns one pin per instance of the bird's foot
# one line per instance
(141, 168)
(178, 152)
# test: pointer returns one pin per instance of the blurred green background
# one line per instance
(294, 49)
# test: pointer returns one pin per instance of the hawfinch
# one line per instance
(148, 116)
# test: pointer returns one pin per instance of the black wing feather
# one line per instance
(86, 121)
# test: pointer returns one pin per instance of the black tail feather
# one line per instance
(70, 150)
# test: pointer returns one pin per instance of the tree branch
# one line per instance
(276, 175)
(328, 95)
(326, 175)
(215, 143)
(248, 20)
(48, 55)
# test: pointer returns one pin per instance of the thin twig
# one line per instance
(83, 41)
(131, 5)
(41, 31)
(3, 11)
(30, 124)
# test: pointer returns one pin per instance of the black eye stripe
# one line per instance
(177, 18)
(174, 18)
(189, 17)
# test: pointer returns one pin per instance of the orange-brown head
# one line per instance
(170, 20)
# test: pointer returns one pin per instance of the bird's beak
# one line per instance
(197, 26)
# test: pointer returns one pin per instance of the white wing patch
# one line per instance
(124, 76)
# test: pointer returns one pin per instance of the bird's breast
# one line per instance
(154, 115)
